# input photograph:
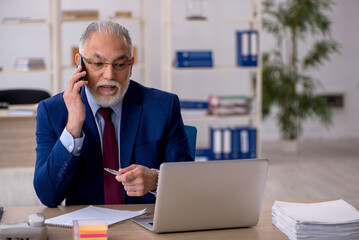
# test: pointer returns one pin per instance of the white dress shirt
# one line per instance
(74, 146)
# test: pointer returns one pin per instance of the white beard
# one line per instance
(109, 101)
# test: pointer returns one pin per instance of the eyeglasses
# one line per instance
(118, 66)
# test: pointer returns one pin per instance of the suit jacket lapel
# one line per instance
(130, 120)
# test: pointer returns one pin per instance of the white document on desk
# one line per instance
(323, 220)
(331, 212)
(111, 216)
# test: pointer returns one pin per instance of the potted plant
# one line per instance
(288, 87)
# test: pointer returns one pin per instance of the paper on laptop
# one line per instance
(111, 216)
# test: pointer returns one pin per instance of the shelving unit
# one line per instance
(43, 79)
(169, 72)
(58, 67)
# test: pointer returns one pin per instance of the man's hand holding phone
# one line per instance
(75, 107)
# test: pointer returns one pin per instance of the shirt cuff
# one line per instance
(158, 176)
(73, 146)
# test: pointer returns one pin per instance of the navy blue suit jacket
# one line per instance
(152, 132)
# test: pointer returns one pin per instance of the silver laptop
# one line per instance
(208, 195)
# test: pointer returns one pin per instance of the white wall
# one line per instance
(339, 75)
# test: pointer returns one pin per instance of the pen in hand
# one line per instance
(114, 172)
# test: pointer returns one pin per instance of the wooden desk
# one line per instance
(17, 138)
(130, 230)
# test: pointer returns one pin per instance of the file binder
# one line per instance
(244, 139)
(185, 104)
(194, 63)
(216, 143)
(252, 138)
(247, 48)
(227, 143)
(233, 143)
(203, 154)
(236, 143)
(193, 55)
(193, 59)
(193, 108)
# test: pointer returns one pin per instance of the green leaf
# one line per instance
(320, 51)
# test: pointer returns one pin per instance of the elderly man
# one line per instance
(105, 121)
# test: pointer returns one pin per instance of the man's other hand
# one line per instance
(137, 179)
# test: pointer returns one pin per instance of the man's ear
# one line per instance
(77, 57)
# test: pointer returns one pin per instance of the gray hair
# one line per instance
(104, 27)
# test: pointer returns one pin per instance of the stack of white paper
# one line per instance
(324, 220)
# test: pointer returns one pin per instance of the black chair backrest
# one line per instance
(23, 96)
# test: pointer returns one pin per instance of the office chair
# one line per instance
(23, 96)
(192, 138)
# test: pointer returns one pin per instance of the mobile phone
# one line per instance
(81, 62)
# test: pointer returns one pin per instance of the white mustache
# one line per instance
(108, 83)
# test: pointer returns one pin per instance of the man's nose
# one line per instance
(109, 71)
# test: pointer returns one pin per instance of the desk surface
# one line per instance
(130, 230)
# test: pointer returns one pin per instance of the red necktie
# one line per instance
(112, 188)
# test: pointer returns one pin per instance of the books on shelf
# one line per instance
(247, 48)
(26, 64)
(229, 105)
(218, 106)
(71, 15)
(187, 59)
(233, 143)
(123, 14)
(323, 220)
(21, 20)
